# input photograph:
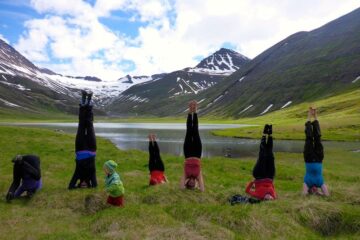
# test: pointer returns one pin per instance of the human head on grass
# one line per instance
(190, 183)
(110, 167)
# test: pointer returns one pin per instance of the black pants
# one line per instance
(192, 143)
(85, 169)
(265, 165)
(28, 167)
(313, 149)
(85, 136)
(155, 162)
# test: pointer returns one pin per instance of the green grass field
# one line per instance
(165, 212)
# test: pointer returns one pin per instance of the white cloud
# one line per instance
(173, 32)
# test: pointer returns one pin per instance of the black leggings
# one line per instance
(265, 165)
(192, 144)
(85, 169)
(85, 136)
(155, 162)
(313, 149)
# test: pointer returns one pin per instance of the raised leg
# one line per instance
(90, 131)
(159, 165)
(270, 159)
(80, 141)
(188, 137)
(151, 156)
(197, 145)
(318, 147)
(309, 143)
(259, 168)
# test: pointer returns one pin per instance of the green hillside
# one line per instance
(306, 66)
(339, 117)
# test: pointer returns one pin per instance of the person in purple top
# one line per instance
(85, 147)
(26, 176)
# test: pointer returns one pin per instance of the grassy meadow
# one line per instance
(165, 212)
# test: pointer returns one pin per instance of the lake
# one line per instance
(171, 136)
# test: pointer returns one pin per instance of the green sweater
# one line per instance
(113, 185)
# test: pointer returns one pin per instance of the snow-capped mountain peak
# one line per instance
(223, 62)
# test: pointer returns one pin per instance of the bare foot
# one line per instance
(315, 113)
(191, 107)
(194, 104)
(150, 137)
(310, 113)
(154, 137)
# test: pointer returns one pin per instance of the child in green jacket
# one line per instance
(113, 184)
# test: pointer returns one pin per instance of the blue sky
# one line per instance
(111, 38)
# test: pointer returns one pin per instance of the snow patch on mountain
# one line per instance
(267, 109)
(242, 78)
(7, 103)
(133, 98)
(286, 104)
(201, 100)
(245, 109)
(356, 79)
(210, 71)
(17, 86)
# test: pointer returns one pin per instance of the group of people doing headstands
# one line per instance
(27, 173)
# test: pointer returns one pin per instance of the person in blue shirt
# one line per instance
(313, 156)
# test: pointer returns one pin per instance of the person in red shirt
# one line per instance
(262, 187)
(156, 165)
(192, 177)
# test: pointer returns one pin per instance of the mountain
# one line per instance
(153, 97)
(25, 86)
(21, 80)
(224, 61)
(304, 67)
